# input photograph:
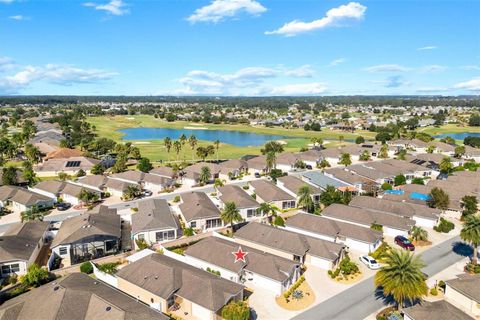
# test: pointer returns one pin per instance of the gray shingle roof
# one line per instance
(164, 172)
(164, 276)
(469, 285)
(294, 184)
(322, 181)
(269, 192)
(105, 222)
(21, 239)
(331, 228)
(153, 214)
(288, 241)
(233, 193)
(197, 205)
(28, 198)
(438, 310)
(76, 297)
(219, 252)
(96, 181)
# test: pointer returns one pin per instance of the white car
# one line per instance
(370, 262)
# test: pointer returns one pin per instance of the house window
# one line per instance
(288, 204)
(193, 224)
(141, 237)
(159, 236)
(171, 235)
(214, 223)
(63, 251)
(251, 213)
(111, 245)
(12, 268)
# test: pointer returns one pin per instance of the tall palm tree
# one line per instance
(267, 209)
(183, 141)
(305, 198)
(419, 234)
(192, 141)
(230, 214)
(471, 233)
(271, 160)
(168, 145)
(402, 277)
(177, 145)
(205, 174)
(216, 143)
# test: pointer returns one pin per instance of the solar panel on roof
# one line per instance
(72, 164)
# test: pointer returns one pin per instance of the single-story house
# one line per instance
(191, 174)
(49, 188)
(117, 187)
(246, 205)
(438, 310)
(23, 200)
(20, 246)
(266, 191)
(322, 181)
(258, 165)
(199, 212)
(154, 222)
(71, 166)
(91, 235)
(233, 168)
(96, 182)
(353, 181)
(422, 215)
(291, 245)
(463, 292)
(63, 153)
(166, 172)
(292, 185)
(77, 296)
(67, 191)
(71, 193)
(261, 269)
(163, 282)
(286, 161)
(311, 157)
(392, 225)
(359, 238)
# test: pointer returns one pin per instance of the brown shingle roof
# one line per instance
(233, 193)
(468, 285)
(269, 192)
(64, 153)
(153, 214)
(28, 198)
(76, 296)
(294, 184)
(164, 276)
(21, 239)
(438, 310)
(197, 205)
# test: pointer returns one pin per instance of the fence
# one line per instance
(105, 277)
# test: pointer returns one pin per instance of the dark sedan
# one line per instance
(404, 243)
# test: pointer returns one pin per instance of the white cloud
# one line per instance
(427, 48)
(471, 85)
(430, 90)
(387, 68)
(220, 10)
(299, 89)
(305, 71)
(471, 68)
(51, 73)
(433, 68)
(18, 17)
(245, 81)
(333, 18)
(336, 62)
(114, 7)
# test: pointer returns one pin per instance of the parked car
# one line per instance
(257, 175)
(370, 262)
(62, 206)
(309, 167)
(147, 193)
(404, 243)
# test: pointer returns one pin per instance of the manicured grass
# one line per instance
(448, 128)
(107, 126)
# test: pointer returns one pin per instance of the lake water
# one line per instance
(236, 138)
(459, 136)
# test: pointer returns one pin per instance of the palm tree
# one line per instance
(192, 141)
(419, 234)
(177, 145)
(271, 160)
(471, 233)
(267, 209)
(305, 198)
(205, 174)
(183, 141)
(383, 153)
(230, 214)
(216, 143)
(168, 145)
(32, 214)
(345, 159)
(87, 197)
(341, 138)
(402, 277)
(316, 141)
(131, 192)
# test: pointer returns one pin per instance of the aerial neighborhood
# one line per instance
(194, 229)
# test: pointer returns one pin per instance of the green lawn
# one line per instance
(155, 150)
(448, 128)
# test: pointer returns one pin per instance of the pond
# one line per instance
(236, 138)
(458, 136)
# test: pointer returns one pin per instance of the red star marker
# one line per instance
(240, 255)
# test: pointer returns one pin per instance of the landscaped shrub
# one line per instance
(176, 199)
(386, 186)
(188, 232)
(376, 227)
(294, 287)
(246, 187)
(441, 284)
(215, 272)
(472, 268)
(444, 226)
(141, 244)
(179, 251)
(236, 310)
(379, 254)
(434, 291)
(109, 267)
(279, 221)
(86, 267)
(345, 268)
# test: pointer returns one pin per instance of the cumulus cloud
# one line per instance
(471, 85)
(335, 17)
(471, 68)
(5, 63)
(114, 7)
(245, 81)
(219, 10)
(433, 68)
(299, 89)
(427, 48)
(336, 62)
(51, 73)
(387, 68)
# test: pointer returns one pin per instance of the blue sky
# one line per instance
(239, 47)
